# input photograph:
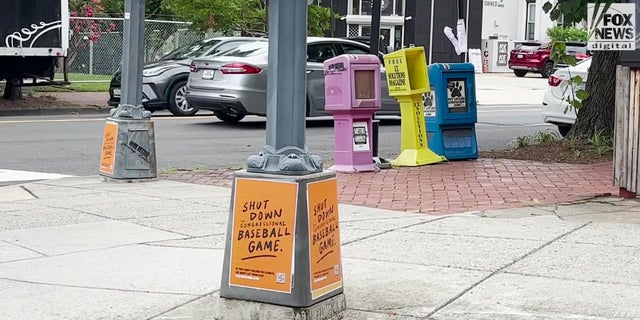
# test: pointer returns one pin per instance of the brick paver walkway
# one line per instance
(459, 186)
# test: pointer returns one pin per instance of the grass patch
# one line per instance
(74, 77)
(75, 86)
(79, 82)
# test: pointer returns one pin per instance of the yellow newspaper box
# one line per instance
(408, 80)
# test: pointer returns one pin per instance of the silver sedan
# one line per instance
(234, 84)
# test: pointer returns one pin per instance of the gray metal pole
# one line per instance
(287, 79)
(376, 9)
(133, 53)
(129, 152)
(90, 57)
(285, 152)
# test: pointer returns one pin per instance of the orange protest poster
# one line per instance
(109, 145)
(262, 246)
(324, 237)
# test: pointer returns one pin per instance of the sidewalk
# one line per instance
(78, 248)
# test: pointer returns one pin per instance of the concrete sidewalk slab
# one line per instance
(54, 302)
(515, 297)
(83, 236)
(132, 258)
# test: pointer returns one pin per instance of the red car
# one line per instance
(535, 56)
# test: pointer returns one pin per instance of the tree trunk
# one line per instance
(598, 111)
(12, 89)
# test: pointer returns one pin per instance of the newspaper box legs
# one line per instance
(352, 95)
(408, 81)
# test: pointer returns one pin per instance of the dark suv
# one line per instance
(164, 81)
(534, 56)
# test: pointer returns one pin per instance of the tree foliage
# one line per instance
(596, 112)
(560, 33)
(153, 9)
(246, 16)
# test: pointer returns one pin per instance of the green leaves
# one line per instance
(247, 16)
(559, 33)
(582, 94)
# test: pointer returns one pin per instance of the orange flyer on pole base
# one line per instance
(262, 246)
(324, 237)
(109, 145)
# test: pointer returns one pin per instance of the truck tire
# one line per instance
(228, 117)
(12, 89)
(564, 129)
(520, 73)
(177, 101)
(547, 69)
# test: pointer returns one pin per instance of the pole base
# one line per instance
(232, 309)
(417, 157)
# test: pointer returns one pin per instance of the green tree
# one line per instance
(560, 33)
(246, 16)
(597, 112)
(153, 9)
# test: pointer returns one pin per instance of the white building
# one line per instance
(515, 20)
(421, 22)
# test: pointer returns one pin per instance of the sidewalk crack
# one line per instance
(569, 279)
(26, 248)
(95, 288)
(499, 270)
(184, 304)
(392, 230)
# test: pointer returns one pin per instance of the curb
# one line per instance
(55, 111)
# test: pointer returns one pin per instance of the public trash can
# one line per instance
(451, 110)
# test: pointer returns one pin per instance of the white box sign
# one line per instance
(613, 29)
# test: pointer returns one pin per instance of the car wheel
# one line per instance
(178, 104)
(547, 69)
(229, 117)
(520, 73)
(564, 129)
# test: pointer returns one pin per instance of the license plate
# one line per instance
(116, 92)
(519, 56)
(207, 74)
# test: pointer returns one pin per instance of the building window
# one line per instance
(357, 30)
(388, 7)
(530, 32)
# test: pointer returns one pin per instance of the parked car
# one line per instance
(234, 84)
(555, 107)
(535, 56)
(164, 81)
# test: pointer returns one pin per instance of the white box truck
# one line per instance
(34, 39)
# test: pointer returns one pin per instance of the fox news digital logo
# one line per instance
(613, 29)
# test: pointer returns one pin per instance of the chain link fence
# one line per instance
(95, 45)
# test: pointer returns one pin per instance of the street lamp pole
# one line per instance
(376, 9)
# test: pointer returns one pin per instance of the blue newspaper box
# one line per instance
(451, 111)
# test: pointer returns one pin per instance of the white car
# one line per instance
(555, 108)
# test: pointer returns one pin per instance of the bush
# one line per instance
(559, 33)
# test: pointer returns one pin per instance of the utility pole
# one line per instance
(128, 145)
(376, 9)
(288, 274)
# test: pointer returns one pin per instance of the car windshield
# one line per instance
(248, 49)
(191, 51)
(529, 46)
